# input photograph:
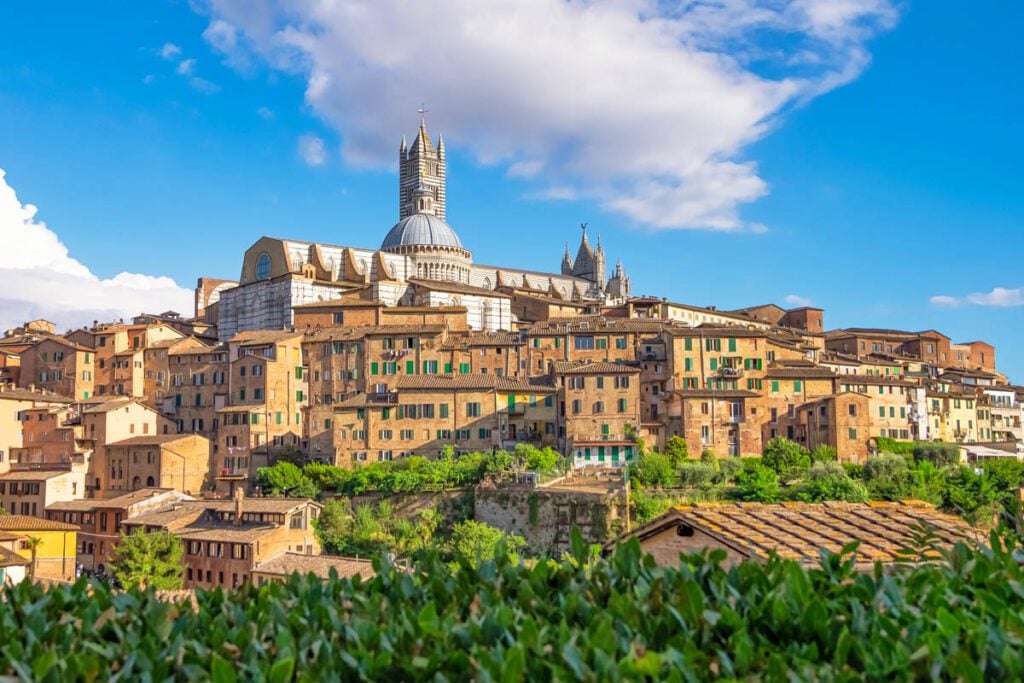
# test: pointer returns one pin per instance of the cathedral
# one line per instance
(421, 262)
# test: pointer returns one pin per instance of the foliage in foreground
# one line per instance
(620, 619)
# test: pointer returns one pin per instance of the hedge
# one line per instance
(578, 619)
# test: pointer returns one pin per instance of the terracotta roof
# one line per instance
(109, 404)
(483, 339)
(122, 501)
(799, 373)
(26, 395)
(152, 439)
(9, 558)
(539, 384)
(258, 337)
(874, 380)
(456, 287)
(798, 530)
(569, 367)
(714, 331)
(289, 563)
(715, 393)
(27, 523)
(595, 324)
(225, 532)
(32, 475)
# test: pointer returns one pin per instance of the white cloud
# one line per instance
(312, 150)
(186, 67)
(999, 296)
(202, 85)
(555, 193)
(944, 300)
(265, 113)
(41, 279)
(797, 300)
(170, 51)
(644, 106)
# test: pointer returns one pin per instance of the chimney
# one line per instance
(239, 496)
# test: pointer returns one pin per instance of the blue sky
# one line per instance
(868, 199)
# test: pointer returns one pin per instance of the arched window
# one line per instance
(150, 481)
(263, 267)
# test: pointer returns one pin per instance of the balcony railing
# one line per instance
(730, 372)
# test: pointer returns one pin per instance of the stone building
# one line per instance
(165, 461)
(59, 365)
(421, 262)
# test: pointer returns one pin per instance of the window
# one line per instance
(623, 405)
(852, 410)
(600, 382)
(463, 368)
(852, 433)
(472, 410)
(798, 386)
(881, 411)
(577, 406)
(732, 345)
(584, 343)
(263, 267)
(705, 435)
(598, 406)
(339, 318)
(429, 367)
(601, 343)
(444, 410)
(688, 344)
(621, 382)
(688, 364)
(620, 342)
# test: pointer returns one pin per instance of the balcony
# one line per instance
(734, 419)
(730, 372)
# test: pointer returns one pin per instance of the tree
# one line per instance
(829, 481)
(653, 469)
(286, 479)
(757, 483)
(823, 453)
(938, 453)
(148, 560)
(677, 450)
(888, 477)
(33, 543)
(474, 542)
(786, 458)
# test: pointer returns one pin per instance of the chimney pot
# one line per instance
(239, 496)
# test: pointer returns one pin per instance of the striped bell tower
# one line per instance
(421, 164)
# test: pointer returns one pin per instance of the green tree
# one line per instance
(938, 453)
(829, 481)
(757, 483)
(708, 457)
(677, 450)
(887, 477)
(474, 542)
(286, 479)
(824, 453)
(653, 469)
(33, 543)
(148, 560)
(788, 459)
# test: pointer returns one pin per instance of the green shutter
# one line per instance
(732, 345)
(374, 368)
(775, 386)
(798, 386)
(714, 363)
(177, 399)
(447, 368)
(688, 344)
(298, 372)
(444, 410)
(688, 363)
(277, 417)
(387, 413)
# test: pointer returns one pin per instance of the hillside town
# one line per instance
(349, 356)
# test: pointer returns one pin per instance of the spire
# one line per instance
(600, 249)
(440, 145)
(403, 147)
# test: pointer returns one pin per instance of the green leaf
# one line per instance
(222, 671)
(282, 670)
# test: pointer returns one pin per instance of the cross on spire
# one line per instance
(421, 111)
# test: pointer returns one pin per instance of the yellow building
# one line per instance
(56, 551)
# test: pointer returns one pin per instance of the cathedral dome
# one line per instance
(421, 229)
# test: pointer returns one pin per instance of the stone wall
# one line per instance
(544, 516)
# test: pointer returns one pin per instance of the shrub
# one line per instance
(695, 474)
(937, 453)
(616, 619)
(144, 560)
(788, 459)
(829, 481)
(823, 453)
(286, 479)
(728, 468)
(757, 483)
(677, 450)
(646, 506)
(888, 477)
(653, 469)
